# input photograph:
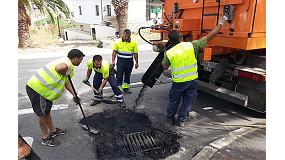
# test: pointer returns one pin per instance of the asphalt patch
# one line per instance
(114, 124)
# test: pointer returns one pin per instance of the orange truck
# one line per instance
(232, 66)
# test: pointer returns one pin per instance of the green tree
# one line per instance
(121, 11)
(52, 8)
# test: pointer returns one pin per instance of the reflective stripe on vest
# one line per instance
(46, 84)
(183, 68)
(124, 54)
(61, 81)
(183, 63)
(184, 75)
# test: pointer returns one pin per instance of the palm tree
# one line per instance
(52, 8)
(121, 11)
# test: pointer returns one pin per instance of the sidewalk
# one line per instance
(87, 47)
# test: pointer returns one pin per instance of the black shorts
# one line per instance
(41, 106)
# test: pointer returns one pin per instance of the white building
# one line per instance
(98, 17)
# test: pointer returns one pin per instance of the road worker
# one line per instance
(181, 59)
(103, 72)
(47, 85)
(126, 50)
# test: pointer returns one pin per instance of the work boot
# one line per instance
(50, 141)
(95, 102)
(122, 104)
(57, 132)
(180, 124)
(127, 90)
(170, 121)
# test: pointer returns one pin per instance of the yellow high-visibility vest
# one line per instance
(125, 49)
(105, 67)
(183, 64)
(47, 82)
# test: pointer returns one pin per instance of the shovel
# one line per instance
(93, 131)
(104, 100)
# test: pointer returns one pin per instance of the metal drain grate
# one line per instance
(140, 141)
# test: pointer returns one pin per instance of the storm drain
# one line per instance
(140, 141)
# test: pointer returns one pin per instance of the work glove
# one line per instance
(228, 14)
(136, 66)
(100, 92)
(85, 81)
(158, 48)
(113, 70)
(223, 20)
(77, 100)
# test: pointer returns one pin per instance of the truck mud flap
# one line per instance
(154, 71)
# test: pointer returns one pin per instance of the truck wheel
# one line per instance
(239, 57)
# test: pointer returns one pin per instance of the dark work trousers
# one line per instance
(188, 92)
(97, 80)
(124, 70)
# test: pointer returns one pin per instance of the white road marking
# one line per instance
(54, 107)
(63, 106)
(132, 84)
(32, 70)
(105, 88)
(146, 60)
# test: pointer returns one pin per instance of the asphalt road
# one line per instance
(216, 129)
(27, 67)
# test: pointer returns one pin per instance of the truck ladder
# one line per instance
(203, 30)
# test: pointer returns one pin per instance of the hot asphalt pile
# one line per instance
(128, 134)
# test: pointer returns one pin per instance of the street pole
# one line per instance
(102, 11)
(59, 34)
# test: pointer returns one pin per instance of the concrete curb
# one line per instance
(208, 151)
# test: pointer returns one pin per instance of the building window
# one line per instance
(80, 12)
(97, 10)
(108, 10)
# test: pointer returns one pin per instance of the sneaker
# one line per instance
(50, 141)
(170, 121)
(95, 102)
(57, 132)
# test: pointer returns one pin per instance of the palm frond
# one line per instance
(49, 12)
(52, 8)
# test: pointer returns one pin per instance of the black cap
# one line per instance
(75, 53)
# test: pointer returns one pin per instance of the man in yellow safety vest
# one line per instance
(183, 65)
(104, 73)
(47, 85)
(126, 50)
